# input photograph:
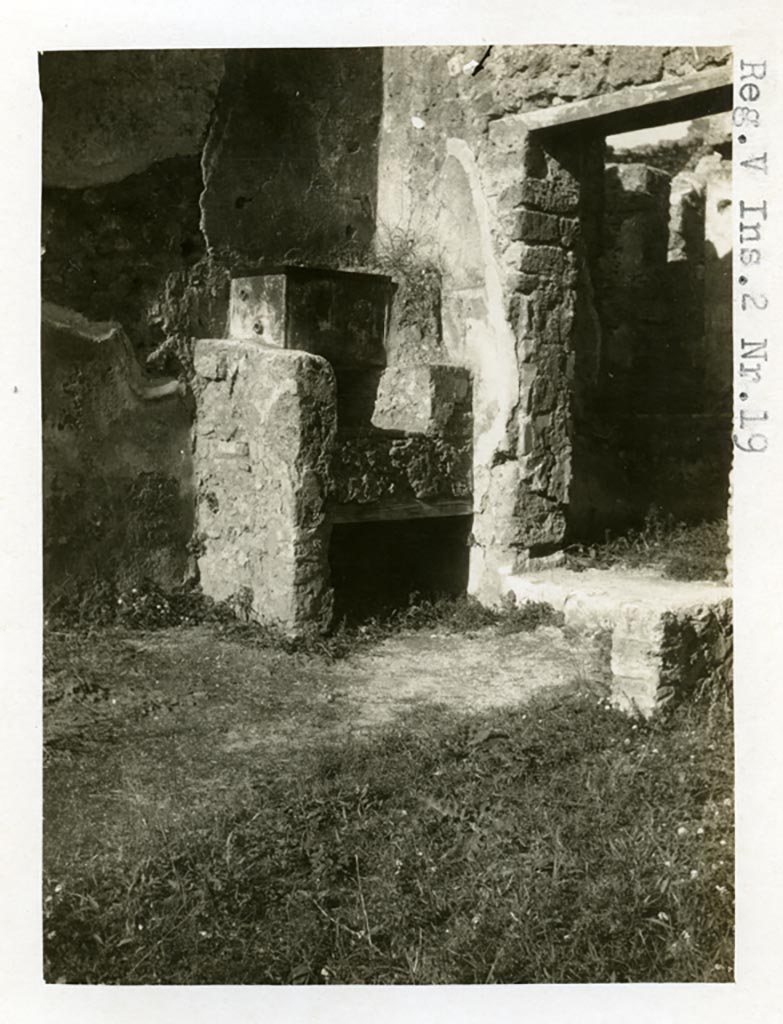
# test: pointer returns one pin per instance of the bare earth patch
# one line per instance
(175, 722)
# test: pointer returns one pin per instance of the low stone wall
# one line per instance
(666, 638)
(117, 483)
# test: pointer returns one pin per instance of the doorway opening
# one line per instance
(652, 403)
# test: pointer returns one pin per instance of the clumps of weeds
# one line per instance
(465, 614)
(560, 841)
(408, 261)
(680, 551)
(443, 614)
(140, 604)
(400, 253)
(147, 605)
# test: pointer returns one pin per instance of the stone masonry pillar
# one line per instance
(266, 426)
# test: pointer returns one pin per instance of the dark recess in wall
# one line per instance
(377, 567)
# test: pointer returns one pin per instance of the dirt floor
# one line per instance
(148, 730)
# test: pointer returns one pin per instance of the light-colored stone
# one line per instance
(257, 309)
(668, 636)
(424, 399)
(262, 494)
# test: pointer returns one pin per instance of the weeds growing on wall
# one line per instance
(194, 300)
(679, 550)
(409, 262)
(402, 255)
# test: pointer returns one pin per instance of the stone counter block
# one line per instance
(266, 429)
(378, 468)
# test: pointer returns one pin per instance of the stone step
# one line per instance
(667, 636)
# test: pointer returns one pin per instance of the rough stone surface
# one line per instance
(667, 637)
(339, 315)
(648, 428)
(123, 250)
(424, 399)
(310, 151)
(291, 160)
(167, 171)
(718, 305)
(267, 421)
(517, 304)
(117, 475)
(633, 289)
(381, 468)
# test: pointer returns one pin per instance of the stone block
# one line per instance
(427, 399)
(340, 315)
(537, 520)
(548, 261)
(667, 637)
(262, 492)
(384, 469)
(257, 309)
(532, 226)
(553, 195)
(661, 655)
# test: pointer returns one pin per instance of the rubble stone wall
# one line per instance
(168, 172)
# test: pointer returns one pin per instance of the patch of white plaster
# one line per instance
(491, 354)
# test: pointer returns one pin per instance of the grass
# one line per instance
(559, 841)
(680, 551)
(149, 606)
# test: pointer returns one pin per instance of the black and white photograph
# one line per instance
(386, 399)
(397, 409)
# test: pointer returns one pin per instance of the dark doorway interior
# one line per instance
(653, 387)
(377, 567)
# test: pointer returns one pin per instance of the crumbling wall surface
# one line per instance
(717, 354)
(291, 161)
(116, 461)
(686, 272)
(639, 372)
(417, 447)
(108, 114)
(513, 222)
(166, 171)
(266, 424)
(382, 468)
(122, 138)
(659, 658)
(651, 431)
(110, 250)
